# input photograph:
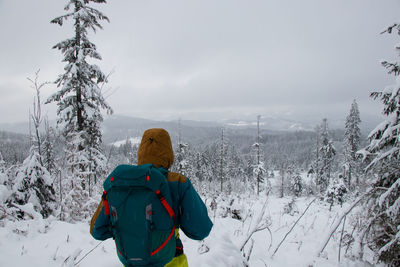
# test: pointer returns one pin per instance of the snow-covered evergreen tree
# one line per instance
(211, 162)
(314, 169)
(3, 172)
(97, 160)
(352, 138)
(181, 160)
(248, 169)
(4, 190)
(2, 165)
(327, 152)
(222, 159)
(383, 208)
(203, 170)
(259, 168)
(49, 159)
(79, 99)
(296, 184)
(235, 174)
(33, 184)
(282, 182)
(336, 191)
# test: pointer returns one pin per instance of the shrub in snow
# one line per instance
(296, 186)
(227, 206)
(5, 191)
(291, 207)
(336, 192)
(33, 185)
(4, 195)
(77, 205)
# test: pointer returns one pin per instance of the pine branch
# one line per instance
(341, 238)
(60, 20)
(390, 29)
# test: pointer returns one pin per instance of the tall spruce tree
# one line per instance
(383, 209)
(222, 159)
(4, 189)
(2, 165)
(316, 164)
(49, 160)
(181, 162)
(352, 138)
(259, 170)
(235, 170)
(79, 99)
(327, 152)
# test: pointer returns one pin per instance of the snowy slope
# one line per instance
(54, 243)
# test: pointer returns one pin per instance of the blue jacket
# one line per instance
(190, 212)
(192, 216)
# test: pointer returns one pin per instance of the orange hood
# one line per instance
(156, 148)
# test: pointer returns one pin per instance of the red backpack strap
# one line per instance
(105, 201)
(165, 204)
(171, 214)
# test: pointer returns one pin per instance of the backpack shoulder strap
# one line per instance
(172, 215)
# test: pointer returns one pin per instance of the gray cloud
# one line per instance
(230, 57)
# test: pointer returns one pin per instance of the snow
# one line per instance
(244, 124)
(4, 192)
(297, 126)
(132, 140)
(51, 242)
(239, 124)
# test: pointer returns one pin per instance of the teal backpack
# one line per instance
(139, 203)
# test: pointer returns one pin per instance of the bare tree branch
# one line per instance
(341, 238)
(293, 227)
(344, 214)
(259, 225)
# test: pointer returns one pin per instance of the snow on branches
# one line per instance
(383, 219)
(80, 99)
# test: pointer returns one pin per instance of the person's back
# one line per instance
(191, 213)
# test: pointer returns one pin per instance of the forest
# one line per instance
(344, 184)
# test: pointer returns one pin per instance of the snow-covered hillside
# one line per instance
(132, 140)
(52, 243)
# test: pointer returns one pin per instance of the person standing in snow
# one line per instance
(191, 213)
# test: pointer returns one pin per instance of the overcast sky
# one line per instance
(210, 59)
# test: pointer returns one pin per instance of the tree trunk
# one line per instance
(258, 154)
(222, 159)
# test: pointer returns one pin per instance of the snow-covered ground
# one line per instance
(54, 243)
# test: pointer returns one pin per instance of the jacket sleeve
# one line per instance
(100, 225)
(194, 220)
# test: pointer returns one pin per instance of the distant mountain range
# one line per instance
(119, 127)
